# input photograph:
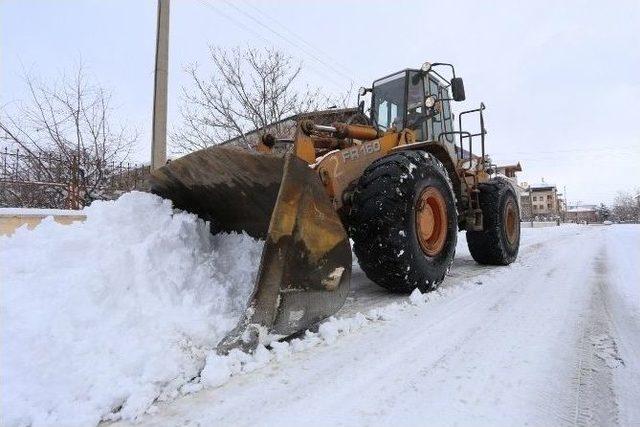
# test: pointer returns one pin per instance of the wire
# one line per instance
(299, 37)
(303, 50)
(260, 36)
(581, 150)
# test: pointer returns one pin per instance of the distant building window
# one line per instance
(535, 199)
(535, 207)
(548, 205)
(549, 197)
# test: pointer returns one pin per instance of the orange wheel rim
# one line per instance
(511, 221)
(431, 221)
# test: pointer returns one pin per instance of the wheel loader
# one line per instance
(398, 180)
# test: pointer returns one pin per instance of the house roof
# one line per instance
(542, 185)
(517, 167)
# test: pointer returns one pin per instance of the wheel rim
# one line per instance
(431, 221)
(511, 221)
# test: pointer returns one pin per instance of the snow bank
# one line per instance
(101, 318)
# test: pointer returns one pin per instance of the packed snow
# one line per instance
(552, 339)
(104, 317)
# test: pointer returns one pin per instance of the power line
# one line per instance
(278, 34)
(581, 150)
(581, 156)
(573, 157)
(299, 37)
(244, 27)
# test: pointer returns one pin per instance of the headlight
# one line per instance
(426, 67)
(430, 101)
(363, 91)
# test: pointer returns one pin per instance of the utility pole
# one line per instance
(531, 204)
(159, 130)
(566, 203)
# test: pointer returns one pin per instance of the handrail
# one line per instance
(481, 134)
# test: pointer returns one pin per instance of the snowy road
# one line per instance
(553, 339)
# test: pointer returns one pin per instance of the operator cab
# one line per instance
(417, 100)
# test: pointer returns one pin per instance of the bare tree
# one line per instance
(626, 207)
(249, 89)
(65, 133)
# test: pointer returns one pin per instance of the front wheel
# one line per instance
(499, 241)
(404, 222)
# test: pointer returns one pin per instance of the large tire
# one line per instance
(403, 222)
(499, 242)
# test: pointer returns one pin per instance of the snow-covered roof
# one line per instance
(581, 209)
(542, 185)
(517, 167)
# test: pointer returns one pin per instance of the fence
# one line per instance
(47, 180)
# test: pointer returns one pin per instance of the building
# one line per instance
(541, 200)
(582, 213)
(525, 202)
(510, 172)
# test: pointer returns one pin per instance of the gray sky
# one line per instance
(561, 79)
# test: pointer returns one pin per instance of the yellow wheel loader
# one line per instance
(399, 181)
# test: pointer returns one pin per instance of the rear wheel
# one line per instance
(404, 222)
(499, 242)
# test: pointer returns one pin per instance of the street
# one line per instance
(553, 339)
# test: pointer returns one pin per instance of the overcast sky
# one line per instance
(561, 79)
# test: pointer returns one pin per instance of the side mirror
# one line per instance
(457, 89)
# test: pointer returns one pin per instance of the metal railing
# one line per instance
(47, 180)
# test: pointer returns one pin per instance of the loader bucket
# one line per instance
(305, 267)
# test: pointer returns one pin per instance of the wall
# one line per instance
(12, 219)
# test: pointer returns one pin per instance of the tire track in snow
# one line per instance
(365, 295)
(595, 400)
(506, 307)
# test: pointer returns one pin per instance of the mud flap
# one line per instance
(305, 267)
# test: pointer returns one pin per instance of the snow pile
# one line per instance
(101, 318)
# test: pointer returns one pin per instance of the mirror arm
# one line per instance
(453, 70)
